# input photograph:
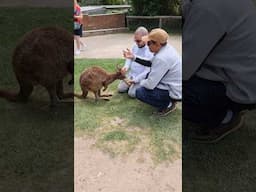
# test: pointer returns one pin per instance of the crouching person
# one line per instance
(163, 85)
(135, 71)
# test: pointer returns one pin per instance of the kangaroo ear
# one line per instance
(118, 67)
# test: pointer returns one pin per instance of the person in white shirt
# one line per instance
(135, 71)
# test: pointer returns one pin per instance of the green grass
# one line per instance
(117, 135)
(122, 124)
(226, 166)
(36, 144)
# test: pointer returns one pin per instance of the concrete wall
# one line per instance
(104, 21)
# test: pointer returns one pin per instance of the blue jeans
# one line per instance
(205, 102)
(157, 97)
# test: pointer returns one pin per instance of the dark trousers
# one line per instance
(205, 102)
(157, 97)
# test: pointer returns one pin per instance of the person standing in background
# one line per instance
(78, 28)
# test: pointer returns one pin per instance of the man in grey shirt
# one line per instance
(219, 64)
(162, 87)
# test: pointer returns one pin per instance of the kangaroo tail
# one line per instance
(79, 96)
(9, 95)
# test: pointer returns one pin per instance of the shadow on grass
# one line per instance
(36, 144)
(159, 136)
(229, 165)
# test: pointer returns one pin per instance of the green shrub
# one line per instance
(170, 25)
(156, 7)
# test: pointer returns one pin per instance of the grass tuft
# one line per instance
(116, 136)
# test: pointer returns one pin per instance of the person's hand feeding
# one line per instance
(128, 54)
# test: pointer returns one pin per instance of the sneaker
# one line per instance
(168, 110)
(83, 47)
(77, 52)
(216, 134)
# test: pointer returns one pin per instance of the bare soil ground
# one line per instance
(135, 172)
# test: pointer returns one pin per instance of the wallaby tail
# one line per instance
(9, 95)
(79, 96)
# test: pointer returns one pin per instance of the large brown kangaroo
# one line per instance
(44, 56)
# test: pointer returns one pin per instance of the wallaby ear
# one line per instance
(118, 67)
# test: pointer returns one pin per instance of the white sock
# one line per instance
(228, 116)
(170, 104)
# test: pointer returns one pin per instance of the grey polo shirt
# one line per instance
(219, 44)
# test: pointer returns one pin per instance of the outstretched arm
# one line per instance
(144, 62)
(129, 55)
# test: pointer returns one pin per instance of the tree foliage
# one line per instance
(156, 7)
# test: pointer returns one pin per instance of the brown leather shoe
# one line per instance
(168, 110)
(216, 134)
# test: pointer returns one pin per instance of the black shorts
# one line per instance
(79, 32)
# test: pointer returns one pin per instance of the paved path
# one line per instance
(111, 46)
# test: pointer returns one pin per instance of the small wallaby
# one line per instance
(44, 56)
(94, 78)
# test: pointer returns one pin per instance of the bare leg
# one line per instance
(82, 45)
(77, 39)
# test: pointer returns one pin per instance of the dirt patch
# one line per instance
(136, 172)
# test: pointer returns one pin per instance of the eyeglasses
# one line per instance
(151, 42)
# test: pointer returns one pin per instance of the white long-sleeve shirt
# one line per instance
(137, 72)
